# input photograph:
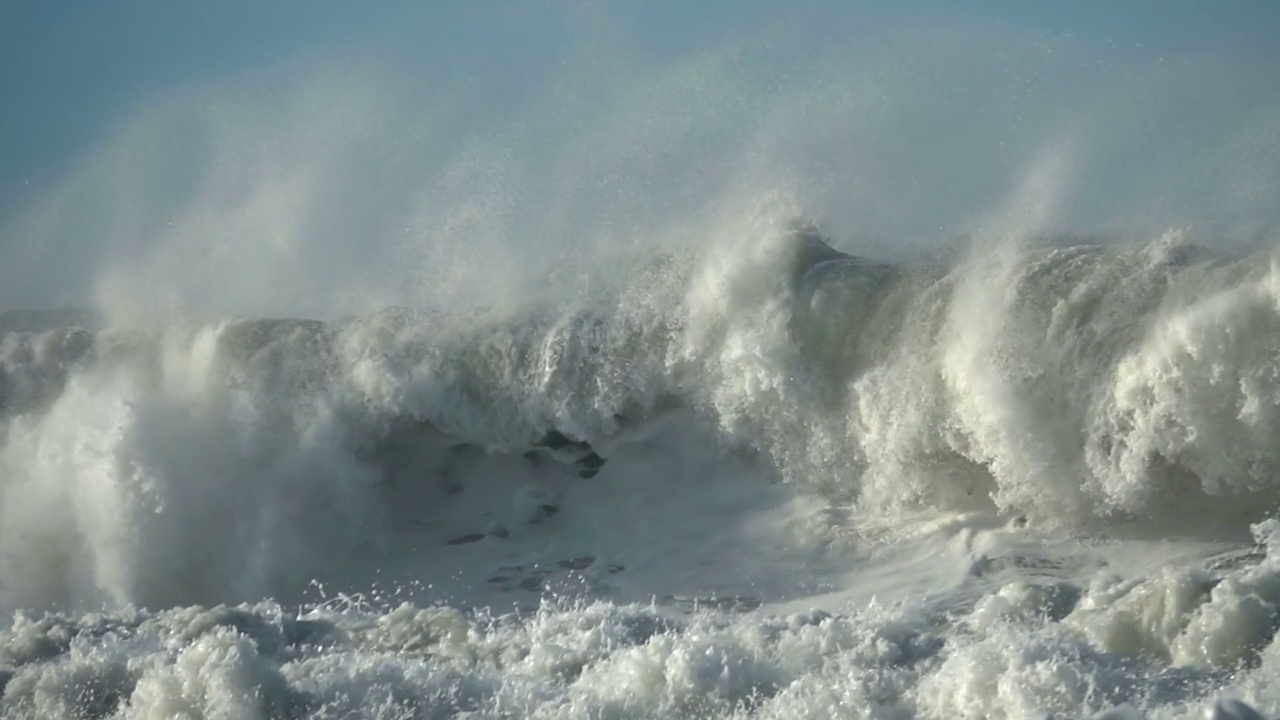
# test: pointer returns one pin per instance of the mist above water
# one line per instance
(352, 179)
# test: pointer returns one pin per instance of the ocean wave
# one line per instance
(1059, 383)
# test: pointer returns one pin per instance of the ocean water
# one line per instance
(831, 394)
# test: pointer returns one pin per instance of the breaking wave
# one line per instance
(512, 386)
(1062, 384)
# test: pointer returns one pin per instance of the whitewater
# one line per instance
(765, 382)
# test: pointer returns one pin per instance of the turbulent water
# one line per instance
(918, 366)
(769, 480)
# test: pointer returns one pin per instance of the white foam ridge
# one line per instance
(1159, 646)
(613, 465)
(1057, 381)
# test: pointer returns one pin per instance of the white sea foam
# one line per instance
(377, 410)
(745, 457)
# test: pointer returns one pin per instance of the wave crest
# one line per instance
(1066, 383)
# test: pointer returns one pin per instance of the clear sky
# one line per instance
(325, 132)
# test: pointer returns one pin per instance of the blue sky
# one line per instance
(70, 70)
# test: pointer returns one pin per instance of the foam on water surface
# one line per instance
(450, 525)
(931, 375)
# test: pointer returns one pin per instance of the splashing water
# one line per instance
(774, 379)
